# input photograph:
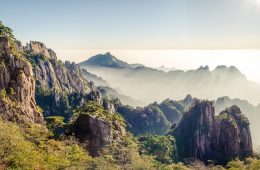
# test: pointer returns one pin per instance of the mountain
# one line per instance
(148, 84)
(105, 60)
(251, 111)
(17, 85)
(202, 135)
(60, 87)
(155, 119)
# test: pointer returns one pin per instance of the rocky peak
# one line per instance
(17, 85)
(35, 47)
(60, 86)
(105, 60)
(188, 100)
(202, 135)
(54, 74)
(194, 131)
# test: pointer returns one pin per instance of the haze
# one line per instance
(247, 61)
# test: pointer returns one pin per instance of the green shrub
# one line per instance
(3, 94)
(29, 147)
(55, 124)
(162, 147)
(6, 32)
(94, 109)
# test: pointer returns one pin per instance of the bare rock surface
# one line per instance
(17, 85)
(202, 135)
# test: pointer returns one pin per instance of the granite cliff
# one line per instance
(202, 135)
(17, 84)
(60, 87)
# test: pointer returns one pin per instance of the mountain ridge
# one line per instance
(226, 81)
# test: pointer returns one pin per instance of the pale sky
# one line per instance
(135, 24)
(158, 26)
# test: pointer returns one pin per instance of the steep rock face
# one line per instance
(202, 135)
(60, 86)
(232, 135)
(54, 74)
(194, 132)
(17, 82)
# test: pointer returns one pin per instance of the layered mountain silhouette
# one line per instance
(149, 84)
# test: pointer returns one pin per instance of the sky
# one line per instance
(176, 33)
(135, 24)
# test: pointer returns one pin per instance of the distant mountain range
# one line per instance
(166, 69)
(149, 84)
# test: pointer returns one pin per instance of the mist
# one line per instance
(148, 85)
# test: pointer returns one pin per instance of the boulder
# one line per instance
(95, 132)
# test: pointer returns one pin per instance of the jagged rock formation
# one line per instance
(251, 111)
(60, 87)
(17, 85)
(54, 74)
(202, 135)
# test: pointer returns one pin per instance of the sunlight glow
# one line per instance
(254, 3)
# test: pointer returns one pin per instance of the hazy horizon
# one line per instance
(247, 61)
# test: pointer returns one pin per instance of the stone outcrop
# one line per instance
(17, 85)
(95, 132)
(202, 135)
(38, 48)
